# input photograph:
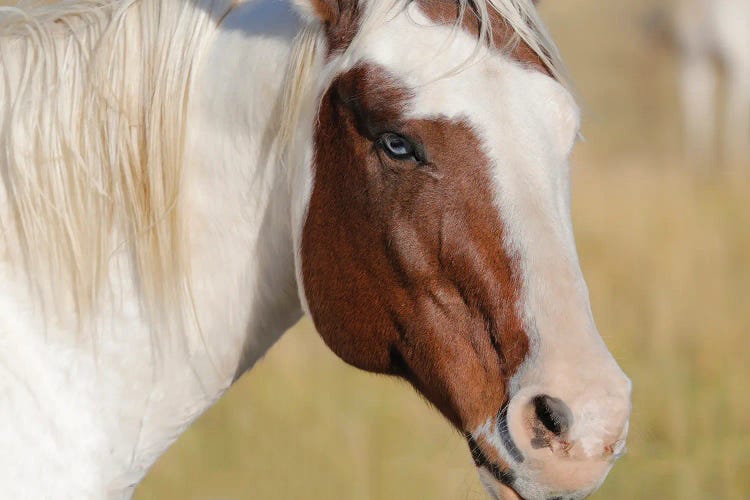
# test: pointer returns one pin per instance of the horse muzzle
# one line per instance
(543, 447)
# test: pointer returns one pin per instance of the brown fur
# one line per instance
(403, 262)
(340, 19)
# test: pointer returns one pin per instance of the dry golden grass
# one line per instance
(665, 253)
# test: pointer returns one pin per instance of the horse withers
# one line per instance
(181, 180)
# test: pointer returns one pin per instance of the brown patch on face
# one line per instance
(447, 12)
(403, 262)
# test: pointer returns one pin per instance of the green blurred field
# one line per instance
(666, 253)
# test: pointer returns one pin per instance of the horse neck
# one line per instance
(237, 184)
(113, 403)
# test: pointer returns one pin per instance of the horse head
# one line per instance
(437, 243)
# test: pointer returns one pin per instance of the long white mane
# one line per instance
(93, 101)
(94, 96)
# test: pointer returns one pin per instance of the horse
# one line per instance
(182, 180)
(712, 34)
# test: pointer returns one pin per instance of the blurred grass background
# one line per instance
(666, 253)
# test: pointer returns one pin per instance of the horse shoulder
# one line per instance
(50, 440)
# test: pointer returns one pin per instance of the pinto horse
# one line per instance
(183, 179)
(712, 34)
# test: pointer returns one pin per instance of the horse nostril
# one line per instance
(553, 414)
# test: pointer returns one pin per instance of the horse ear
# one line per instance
(323, 11)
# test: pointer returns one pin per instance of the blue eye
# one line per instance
(397, 147)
